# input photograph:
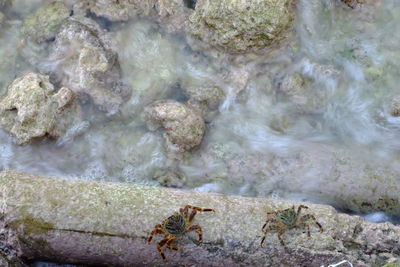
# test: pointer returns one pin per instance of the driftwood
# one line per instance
(99, 224)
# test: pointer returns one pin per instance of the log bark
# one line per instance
(100, 224)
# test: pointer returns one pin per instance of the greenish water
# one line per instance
(349, 61)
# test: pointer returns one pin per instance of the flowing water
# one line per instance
(349, 61)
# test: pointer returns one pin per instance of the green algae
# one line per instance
(43, 24)
(32, 225)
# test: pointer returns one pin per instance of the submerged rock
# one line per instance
(184, 127)
(348, 180)
(84, 64)
(121, 10)
(209, 96)
(172, 14)
(239, 26)
(172, 179)
(1, 18)
(4, 3)
(296, 90)
(32, 108)
(151, 62)
(352, 3)
(395, 109)
(43, 24)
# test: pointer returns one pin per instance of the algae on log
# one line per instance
(95, 223)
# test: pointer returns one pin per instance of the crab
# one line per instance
(176, 225)
(287, 219)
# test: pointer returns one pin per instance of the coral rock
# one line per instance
(32, 108)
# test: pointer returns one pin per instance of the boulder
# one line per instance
(42, 25)
(84, 63)
(238, 26)
(32, 108)
(183, 126)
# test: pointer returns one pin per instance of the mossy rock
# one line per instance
(239, 26)
(43, 24)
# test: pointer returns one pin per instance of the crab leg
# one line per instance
(271, 220)
(311, 217)
(262, 240)
(299, 208)
(198, 230)
(156, 231)
(161, 244)
(184, 212)
(280, 233)
(195, 210)
(169, 243)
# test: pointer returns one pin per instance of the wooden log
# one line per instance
(100, 224)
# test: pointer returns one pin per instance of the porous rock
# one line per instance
(33, 108)
(172, 14)
(121, 10)
(43, 24)
(84, 63)
(209, 95)
(238, 26)
(184, 127)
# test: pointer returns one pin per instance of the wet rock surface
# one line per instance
(33, 108)
(85, 64)
(2, 18)
(118, 218)
(122, 10)
(346, 181)
(148, 59)
(172, 179)
(395, 108)
(296, 90)
(184, 127)
(208, 95)
(240, 26)
(173, 14)
(260, 157)
(8, 255)
(43, 24)
(352, 3)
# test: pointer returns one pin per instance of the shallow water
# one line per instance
(349, 60)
